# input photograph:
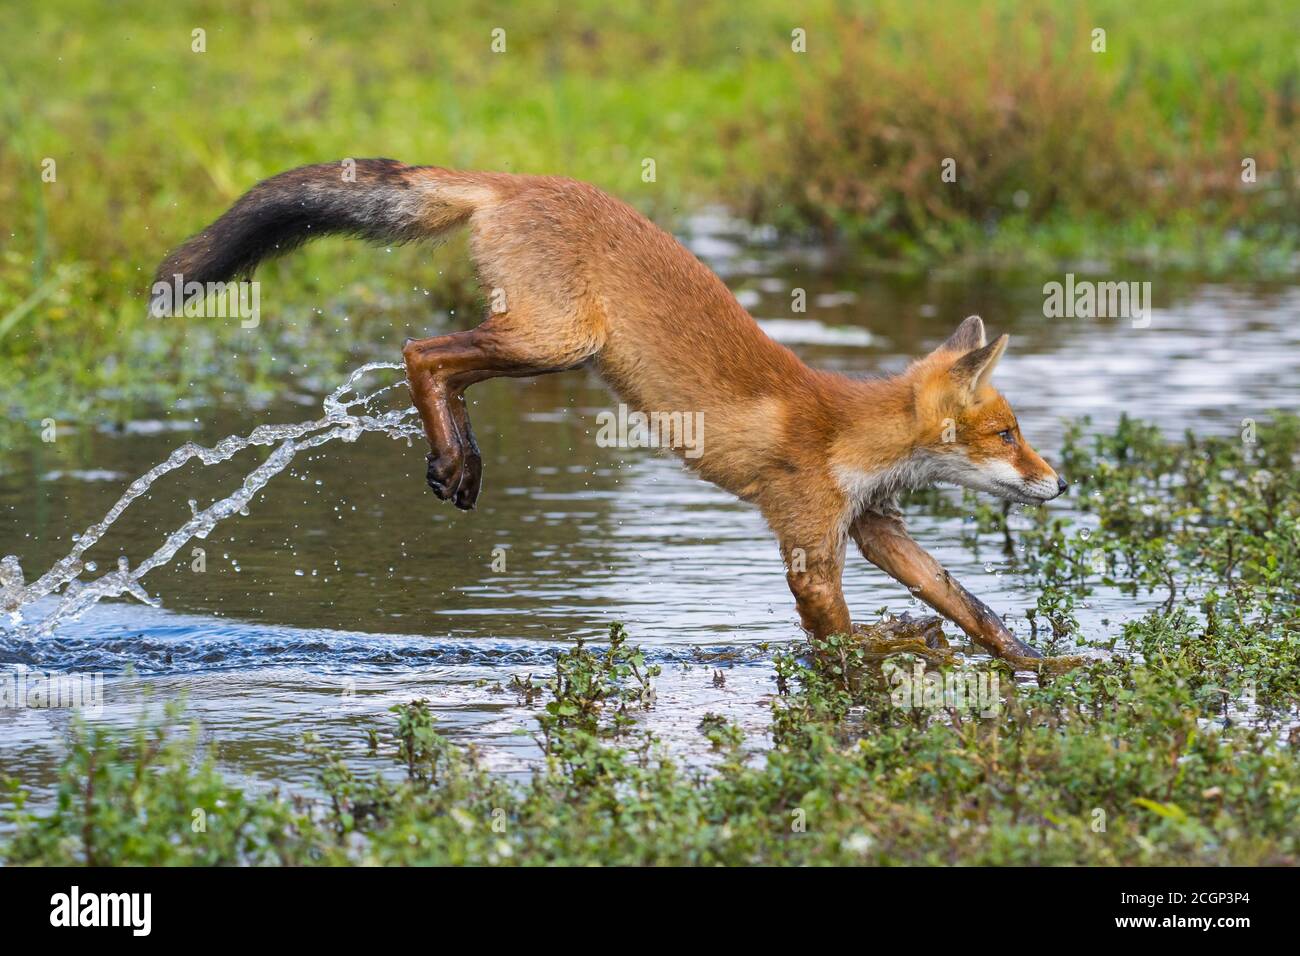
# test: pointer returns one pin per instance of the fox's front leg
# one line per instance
(815, 578)
(884, 542)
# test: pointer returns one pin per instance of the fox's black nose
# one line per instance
(1060, 485)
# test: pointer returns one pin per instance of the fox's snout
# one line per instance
(1024, 476)
(1043, 488)
(1061, 486)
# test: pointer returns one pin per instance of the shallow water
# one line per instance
(349, 587)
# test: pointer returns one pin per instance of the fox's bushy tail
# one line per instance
(380, 200)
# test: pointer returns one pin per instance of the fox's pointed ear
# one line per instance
(973, 369)
(969, 336)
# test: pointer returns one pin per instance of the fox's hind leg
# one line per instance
(425, 361)
(439, 369)
(471, 479)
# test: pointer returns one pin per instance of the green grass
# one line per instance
(1179, 747)
(1130, 153)
(1148, 134)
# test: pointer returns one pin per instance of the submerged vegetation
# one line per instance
(119, 136)
(1176, 744)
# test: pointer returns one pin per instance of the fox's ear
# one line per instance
(969, 335)
(973, 369)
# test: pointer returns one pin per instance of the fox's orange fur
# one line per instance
(586, 278)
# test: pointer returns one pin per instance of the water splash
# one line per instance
(77, 596)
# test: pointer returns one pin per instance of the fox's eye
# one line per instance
(1008, 436)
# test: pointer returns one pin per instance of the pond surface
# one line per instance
(349, 588)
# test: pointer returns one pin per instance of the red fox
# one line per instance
(580, 278)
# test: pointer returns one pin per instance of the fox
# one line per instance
(580, 279)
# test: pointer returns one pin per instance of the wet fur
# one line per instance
(587, 279)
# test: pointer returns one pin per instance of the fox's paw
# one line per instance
(471, 481)
(456, 478)
(1055, 666)
(444, 474)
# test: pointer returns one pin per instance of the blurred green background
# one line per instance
(1062, 151)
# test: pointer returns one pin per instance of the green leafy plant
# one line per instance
(1177, 747)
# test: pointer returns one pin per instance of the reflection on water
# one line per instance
(349, 588)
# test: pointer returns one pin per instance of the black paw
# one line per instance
(471, 481)
(444, 473)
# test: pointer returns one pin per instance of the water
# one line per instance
(347, 587)
(79, 595)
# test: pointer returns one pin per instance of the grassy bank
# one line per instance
(1061, 153)
(1152, 134)
(1178, 746)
